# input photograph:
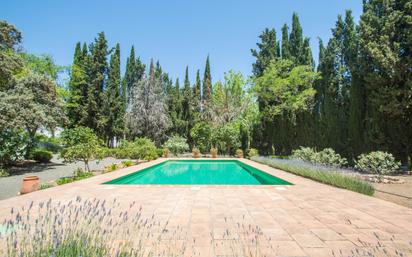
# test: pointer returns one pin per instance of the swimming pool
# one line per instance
(199, 172)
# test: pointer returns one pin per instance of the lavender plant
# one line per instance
(337, 177)
(86, 228)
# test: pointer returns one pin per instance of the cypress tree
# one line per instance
(98, 74)
(187, 113)
(75, 103)
(207, 84)
(134, 73)
(385, 62)
(114, 108)
(197, 95)
(267, 51)
(296, 39)
(285, 42)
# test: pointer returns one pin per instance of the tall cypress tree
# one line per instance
(98, 73)
(296, 39)
(74, 105)
(114, 108)
(187, 108)
(207, 84)
(134, 72)
(285, 42)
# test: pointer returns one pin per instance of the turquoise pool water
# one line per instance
(200, 172)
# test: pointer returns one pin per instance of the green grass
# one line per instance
(330, 177)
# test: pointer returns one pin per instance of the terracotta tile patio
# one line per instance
(305, 219)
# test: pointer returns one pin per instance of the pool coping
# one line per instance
(99, 180)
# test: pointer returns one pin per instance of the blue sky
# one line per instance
(178, 33)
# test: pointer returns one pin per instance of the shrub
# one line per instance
(128, 163)
(253, 152)
(45, 186)
(141, 148)
(305, 154)
(176, 145)
(166, 153)
(13, 144)
(146, 149)
(213, 152)
(78, 174)
(195, 152)
(321, 174)
(326, 157)
(4, 173)
(377, 162)
(112, 167)
(239, 153)
(201, 134)
(80, 144)
(41, 155)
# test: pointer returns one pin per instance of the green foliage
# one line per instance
(377, 162)
(227, 138)
(112, 167)
(128, 163)
(266, 53)
(45, 186)
(166, 153)
(253, 152)
(4, 173)
(289, 88)
(13, 145)
(327, 177)
(41, 155)
(177, 145)
(146, 149)
(326, 157)
(80, 144)
(114, 108)
(51, 144)
(78, 174)
(141, 148)
(201, 134)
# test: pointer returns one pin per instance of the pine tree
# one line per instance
(207, 84)
(114, 107)
(267, 51)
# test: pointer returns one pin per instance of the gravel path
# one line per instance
(10, 186)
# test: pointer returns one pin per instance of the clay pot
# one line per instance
(30, 184)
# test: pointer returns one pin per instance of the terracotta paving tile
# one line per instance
(308, 240)
(305, 219)
(327, 234)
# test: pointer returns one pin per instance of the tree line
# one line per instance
(356, 98)
(362, 93)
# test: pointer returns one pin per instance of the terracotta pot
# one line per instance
(30, 184)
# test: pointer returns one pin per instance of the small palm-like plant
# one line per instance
(239, 153)
(128, 163)
(195, 152)
(213, 152)
(166, 153)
